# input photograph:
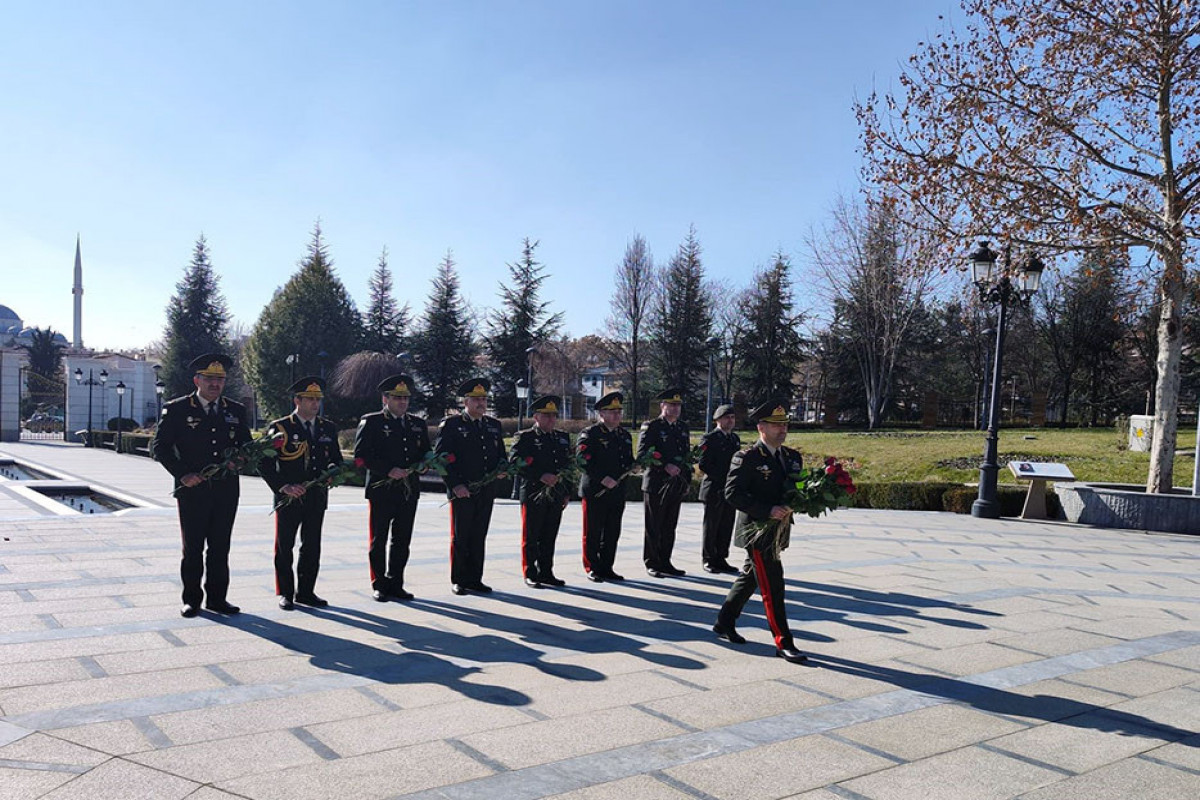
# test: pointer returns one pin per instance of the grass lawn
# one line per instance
(908, 455)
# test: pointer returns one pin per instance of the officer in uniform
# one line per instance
(194, 432)
(389, 442)
(540, 453)
(476, 441)
(608, 451)
(310, 447)
(664, 483)
(718, 446)
(756, 485)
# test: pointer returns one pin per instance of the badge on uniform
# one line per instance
(192, 422)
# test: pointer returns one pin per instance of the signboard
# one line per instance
(1040, 470)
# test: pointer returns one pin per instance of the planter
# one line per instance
(1116, 505)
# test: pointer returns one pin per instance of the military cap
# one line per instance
(610, 402)
(211, 365)
(670, 396)
(547, 404)
(722, 410)
(397, 385)
(475, 387)
(308, 387)
(771, 411)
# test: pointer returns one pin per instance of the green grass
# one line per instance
(907, 455)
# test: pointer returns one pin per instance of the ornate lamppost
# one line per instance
(120, 414)
(90, 382)
(1002, 289)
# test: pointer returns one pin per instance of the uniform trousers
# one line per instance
(763, 571)
(469, 521)
(662, 516)
(392, 513)
(601, 530)
(539, 532)
(306, 515)
(206, 514)
(718, 529)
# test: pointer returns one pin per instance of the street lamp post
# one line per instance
(711, 344)
(529, 378)
(998, 289)
(120, 408)
(291, 360)
(90, 382)
(159, 388)
(522, 394)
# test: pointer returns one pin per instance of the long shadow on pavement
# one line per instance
(1049, 708)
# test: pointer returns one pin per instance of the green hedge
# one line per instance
(953, 497)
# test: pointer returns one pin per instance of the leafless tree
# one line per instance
(633, 291)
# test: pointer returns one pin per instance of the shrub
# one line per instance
(905, 496)
(1012, 501)
(125, 423)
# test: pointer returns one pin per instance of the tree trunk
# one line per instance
(1166, 388)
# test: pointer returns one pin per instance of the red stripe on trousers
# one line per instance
(764, 586)
(524, 567)
(586, 564)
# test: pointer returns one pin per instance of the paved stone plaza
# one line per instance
(952, 658)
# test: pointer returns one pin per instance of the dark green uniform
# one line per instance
(478, 448)
(538, 453)
(609, 454)
(661, 494)
(188, 439)
(717, 448)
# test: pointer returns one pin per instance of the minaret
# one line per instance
(77, 342)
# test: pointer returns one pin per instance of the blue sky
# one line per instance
(420, 127)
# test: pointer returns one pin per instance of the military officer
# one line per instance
(195, 431)
(540, 454)
(476, 441)
(389, 442)
(310, 448)
(718, 447)
(664, 482)
(755, 487)
(608, 450)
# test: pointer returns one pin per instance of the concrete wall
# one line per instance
(139, 402)
(11, 362)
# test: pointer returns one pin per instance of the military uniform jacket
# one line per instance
(478, 447)
(757, 482)
(384, 441)
(188, 440)
(538, 453)
(718, 449)
(609, 454)
(300, 460)
(671, 440)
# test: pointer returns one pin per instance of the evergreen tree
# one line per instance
(312, 317)
(770, 348)
(443, 349)
(384, 323)
(44, 377)
(681, 325)
(521, 322)
(197, 322)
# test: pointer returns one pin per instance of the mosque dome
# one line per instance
(9, 319)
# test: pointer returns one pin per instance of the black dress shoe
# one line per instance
(595, 577)
(532, 583)
(612, 576)
(222, 607)
(654, 573)
(729, 569)
(189, 610)
(458, 588)
(790, 653)
(480, 587)
(714, 569)
(550, 580)
(311, 600)
(673, 571)
(286, 603)
(400, 594)
(728, 633)
(380, 596)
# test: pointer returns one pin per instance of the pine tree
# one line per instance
(384, 323)
(443, 349)
(770, 347)
(44, 378)
(521, 322)
(197, 322)
(312, 317)
(681, 326)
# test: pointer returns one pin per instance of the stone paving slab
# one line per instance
(952, 657)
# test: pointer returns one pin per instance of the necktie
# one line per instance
(308, 431)
(212, 410)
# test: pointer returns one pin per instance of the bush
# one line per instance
(125, 424)
(907, 496)
(1012, 501)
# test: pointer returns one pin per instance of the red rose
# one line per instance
(528, 459)
(851, 489)
(830, 470)
(656, 455)
(450, 458)
(278, 442)
(587, 458)
(360, 462)
(582, 447)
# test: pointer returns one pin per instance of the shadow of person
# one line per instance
(1049, 708)
(881, 604)
(374, 664)
(606, 632)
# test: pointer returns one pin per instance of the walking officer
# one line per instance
(310, 448)
(195, 432)
(608, 450)
(717, 449)
(390, 442)
(756, 487)
(540, 454)
(664, 483)
(476, 441)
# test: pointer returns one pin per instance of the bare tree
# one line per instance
(633, 291)
(877, 276)
(1068, 125)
